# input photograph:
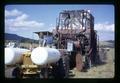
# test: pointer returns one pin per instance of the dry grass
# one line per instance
(102, 71)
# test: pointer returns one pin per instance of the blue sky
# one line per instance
(23, 20)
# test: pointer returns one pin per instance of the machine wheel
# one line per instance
(17, 72)
(61, 69)
(66, 65)
(58, 69)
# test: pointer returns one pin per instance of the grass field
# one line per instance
(102, 71)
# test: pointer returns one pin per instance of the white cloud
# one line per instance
(51, 27)
(104, 27)
(13, 29)
(14, 12)
(22, 17)
(27, 24)
(20, 21)
(105, 31)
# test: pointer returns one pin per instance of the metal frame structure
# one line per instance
(73, 25)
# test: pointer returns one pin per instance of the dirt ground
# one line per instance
(101, 71)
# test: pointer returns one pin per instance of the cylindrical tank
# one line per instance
(44, 55)
(13, 55)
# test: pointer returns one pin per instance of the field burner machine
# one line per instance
(75, 32)
(73, 43)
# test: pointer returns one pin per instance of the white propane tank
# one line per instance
(13, 55)
(44, 55)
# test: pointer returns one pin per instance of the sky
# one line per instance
(24, 20)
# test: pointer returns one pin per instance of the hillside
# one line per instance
(9, 36)
(109, 43)
(15, 37)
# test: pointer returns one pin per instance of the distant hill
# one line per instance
(9, 36)
(108, 43)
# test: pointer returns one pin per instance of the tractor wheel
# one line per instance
(61, 69)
